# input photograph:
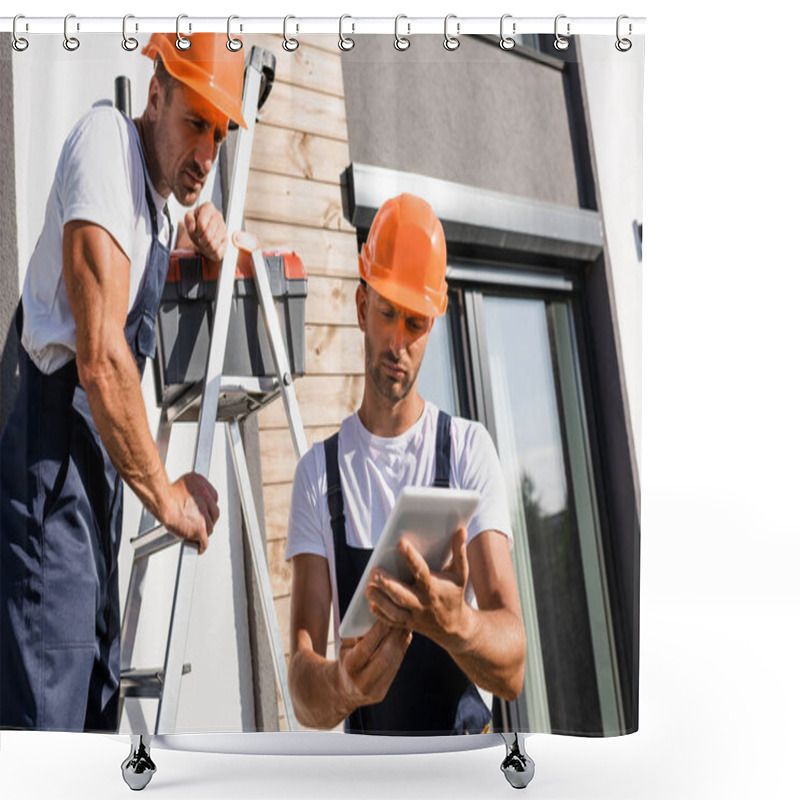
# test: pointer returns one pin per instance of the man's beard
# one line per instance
(387, 387)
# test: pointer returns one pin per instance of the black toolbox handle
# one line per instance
(264, 62)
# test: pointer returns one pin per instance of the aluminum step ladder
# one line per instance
(164, 682)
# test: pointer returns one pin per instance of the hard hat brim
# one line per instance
(424, 305)
(215, 96)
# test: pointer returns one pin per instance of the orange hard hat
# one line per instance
(207, 67)
(405, 256)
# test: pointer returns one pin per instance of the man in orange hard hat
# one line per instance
(87, 323)
(438, 641)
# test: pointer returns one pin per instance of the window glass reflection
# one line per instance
(437, 375)
(560, 666)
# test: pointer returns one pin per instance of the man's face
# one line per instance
(394, 343)
(187, 134)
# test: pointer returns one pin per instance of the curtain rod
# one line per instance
(299, 25)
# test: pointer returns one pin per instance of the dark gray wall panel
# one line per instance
(478, 116)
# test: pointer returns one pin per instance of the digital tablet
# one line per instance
(428, 517)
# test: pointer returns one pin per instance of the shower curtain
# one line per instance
(530, 156)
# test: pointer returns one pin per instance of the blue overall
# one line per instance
(61, 513)
(430, 694)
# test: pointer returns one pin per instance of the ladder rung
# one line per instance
(144, 682)
(151, 541)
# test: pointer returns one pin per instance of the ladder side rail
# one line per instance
(187, 559)
(176, 638)
(261, 569)
(279, 356)
(133, 600)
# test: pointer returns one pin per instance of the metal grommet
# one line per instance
(128, 42)
(181, 42)
(401, 42)
(70, 42)
(346, 43)
(560, 42)
(233, 44)
(289, 44)
(19, 43)
(623, 45)
(451, 42)
(506, 42)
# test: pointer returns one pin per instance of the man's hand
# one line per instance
(434, 604)
(205, 226)
(192, 510)
(368, 664)
(325, 691)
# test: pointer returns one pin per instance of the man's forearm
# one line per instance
(316, 695)
(113, 389)
(490, 650)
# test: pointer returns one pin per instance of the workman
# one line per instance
(86, 324)
(416, 671)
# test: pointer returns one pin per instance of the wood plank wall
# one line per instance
(294, 203)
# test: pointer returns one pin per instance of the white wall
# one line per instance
(53, 88)
(614, 83)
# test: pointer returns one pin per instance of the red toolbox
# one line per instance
(186, 315)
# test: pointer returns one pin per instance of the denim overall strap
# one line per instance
(441, 478)
(357, 558)
(140, 325)
(430, 694)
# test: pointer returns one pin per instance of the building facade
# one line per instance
(532, 160)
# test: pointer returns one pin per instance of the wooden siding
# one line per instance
(294, 203)
(298, 154)
(279, 198)
(324, 252)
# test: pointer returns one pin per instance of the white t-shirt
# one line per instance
(374, 470)
(100, 178)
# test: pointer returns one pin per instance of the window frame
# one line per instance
(468, 288)
(521, 236)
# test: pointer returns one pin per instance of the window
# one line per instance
(508, 353)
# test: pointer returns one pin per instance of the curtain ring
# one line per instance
(289, 45)
(560, 42)
(506, 42)
(234, 44)
(19, 43)
(182, 42)
(623, 45)
(128, 42)
(401, 42)
(70, 42)
(451, 42)
(345, 42)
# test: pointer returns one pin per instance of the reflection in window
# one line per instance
(568, 646)
(527, 357)
(437, 375)
(530, 384)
